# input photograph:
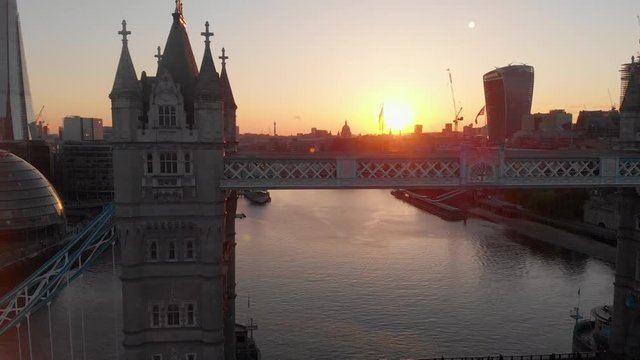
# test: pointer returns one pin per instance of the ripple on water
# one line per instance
(361, 275)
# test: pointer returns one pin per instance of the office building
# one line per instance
(15, 96)
(87, 173)
(508, 93)
(599, 124)
(36, 152)
(553, 120)
(77, 128)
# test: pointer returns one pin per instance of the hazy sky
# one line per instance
(317, 63)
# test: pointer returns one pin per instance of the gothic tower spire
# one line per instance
(208, 86)
(125, 93)
(179, 61)
(229, 106)
(126, 78)
(229, 102)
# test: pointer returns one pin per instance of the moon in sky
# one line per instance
(472, 24)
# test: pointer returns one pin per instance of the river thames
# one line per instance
(358, 274)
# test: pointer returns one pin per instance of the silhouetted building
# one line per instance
(599, 124)
(87, 173)
(36, 152)
(346, 130)
(319, 133)
(552, 130)
(77, 128)
(39, 130)
(15, 96)
(630, 101)
(553, 120)
(470, 131)
(108, 133)
(508, 93)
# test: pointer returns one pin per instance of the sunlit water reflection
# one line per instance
(359, 274)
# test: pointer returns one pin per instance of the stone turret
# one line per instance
(178, 59)
(624, 341)
(230, 106)
(125, 93)
(208, 93)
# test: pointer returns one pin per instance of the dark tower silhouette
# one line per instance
(15, 96)
(630, 102)
(508, 92)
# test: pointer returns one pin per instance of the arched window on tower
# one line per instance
(173, 315)
(152, 255)
(187, 163)
(167, 116)
(189, 250)
(171, 255)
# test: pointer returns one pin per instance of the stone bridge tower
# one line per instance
(624, 341)
(177, 249)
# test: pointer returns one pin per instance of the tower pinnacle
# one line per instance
(227, 94)
(178, 16)
(207, 34)
(223, 58)
(124, 32)
(158, 55)
(126, 79)
(208, 86)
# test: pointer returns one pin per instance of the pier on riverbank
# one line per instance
(551, 235)
(521, 222)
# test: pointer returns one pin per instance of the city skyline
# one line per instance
(340, 63)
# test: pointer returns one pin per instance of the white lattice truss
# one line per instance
(496, 170)
(402, 169)
(58, 271)
(629, 168)
(282, 169)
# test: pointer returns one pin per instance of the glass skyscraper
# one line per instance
(15, 96)
(508, 92)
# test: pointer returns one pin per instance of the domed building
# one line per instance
(31, 212)
(346, 130)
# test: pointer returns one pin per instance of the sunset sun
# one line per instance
(397, 116)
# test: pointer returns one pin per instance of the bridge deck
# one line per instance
(581, 355)
(467, 169)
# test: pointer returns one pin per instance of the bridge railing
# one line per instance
(576, 355)
(58, 271)
(486, 168)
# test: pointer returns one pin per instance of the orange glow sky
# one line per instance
(306, 63)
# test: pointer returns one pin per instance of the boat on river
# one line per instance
(440, 209)
(259, 197)
(591, 335)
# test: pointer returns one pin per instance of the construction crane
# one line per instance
(39, 114)
(38, 125)
(638, 17)
(456, 112)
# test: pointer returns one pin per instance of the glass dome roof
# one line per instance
(27, 199)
